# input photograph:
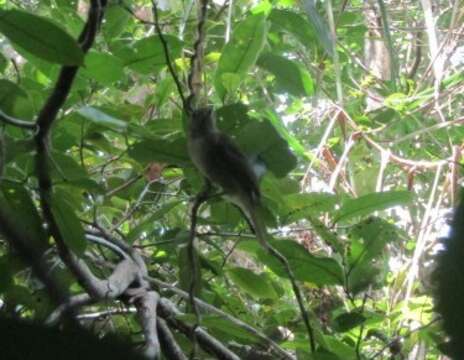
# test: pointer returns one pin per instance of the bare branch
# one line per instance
(266, 341)
(169, 345)
(207, 342)
(196, 61)
(44, 122)
(146, 305)
(22, 242)
(167, 54)
(10, 120)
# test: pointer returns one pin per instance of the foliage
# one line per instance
(353, 198)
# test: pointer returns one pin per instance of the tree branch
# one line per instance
(164, 43)
(207, 342)
(44, 123)
(10, 120)
(169, 345)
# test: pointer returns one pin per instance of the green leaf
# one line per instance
(293, 23)
(368, 239)
(340, 348)
(64, 167)
(301, 205)
(306, 267)
(241, 53)
(348, 321)
(294, 143)
(217, 323)
(10, 93)
(369, 203)
(116, 18)
(40, 37)
(255, 285)
(290, 77)
(103, 67)
(320, 26)
(25, 213)
(325, 234)
(161, 150)
(148, 224)
(68, 223)
(147, 55)
(261, 138)
(100, 118)
(232, 118)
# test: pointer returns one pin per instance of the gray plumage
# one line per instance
(220, 160)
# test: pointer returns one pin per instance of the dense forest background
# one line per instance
(354, 108)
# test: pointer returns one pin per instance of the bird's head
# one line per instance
(202, 121)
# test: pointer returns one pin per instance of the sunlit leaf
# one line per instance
(40, 37)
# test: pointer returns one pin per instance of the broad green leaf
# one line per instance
(348, 321)
(261, 138)
(40, 37)
(147, 224)
(241, 53)
(368, 239)
(326, 234)
(232, 118)
(25, 213)
(301, 205)
(10, 93)
(290, 77)
(293, 23)
(320, 26)
(230, 81)
(306, 267)
(294, 143)
(340, 348)
(69, 172)
(147, 56)
(100, 118)
(161, 150)
(224, 213)
(64, 167)
(68, 223)
(67, 16)
(255, 285)
(361, 277)
(116, 18)
(397, 101)
(157, 128)
(217, 323)
(369, 203)
(103, 67)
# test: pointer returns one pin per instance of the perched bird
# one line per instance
(220, 160)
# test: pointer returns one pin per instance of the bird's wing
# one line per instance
(237, 172)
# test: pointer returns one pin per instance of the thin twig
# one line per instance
(199, 199)
(10, 120)
(167, 55)
(265, 340)
(196, 61)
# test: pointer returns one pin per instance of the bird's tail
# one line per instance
(260, 229)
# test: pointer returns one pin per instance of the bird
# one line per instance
(222, 162)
